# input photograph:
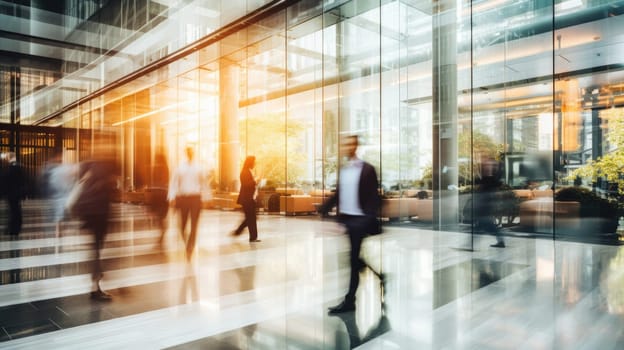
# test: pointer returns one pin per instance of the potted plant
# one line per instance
(507, 206)
(596, 213)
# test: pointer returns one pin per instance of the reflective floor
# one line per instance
(444, 291)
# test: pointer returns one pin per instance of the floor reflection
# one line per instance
(460, 279)
(355, 337)
(539, 294)
(188, 290)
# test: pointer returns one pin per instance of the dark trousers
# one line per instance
(250, 221)
(356, 226)
(98, 225)
(159, 206)
(189, 206)
(488, 224)
(15, 215)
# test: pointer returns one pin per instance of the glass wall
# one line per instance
(458, 105)
(482, 118)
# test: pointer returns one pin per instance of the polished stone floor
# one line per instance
(445, 290)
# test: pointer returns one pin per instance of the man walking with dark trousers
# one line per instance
(358, 203)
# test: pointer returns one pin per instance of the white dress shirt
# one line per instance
(349, 183)
(188, 179)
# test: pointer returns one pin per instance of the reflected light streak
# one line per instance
(544, 269)
(166, 108)
(209, 304)
(568, 5)
(484, 6)
(611, 282)
(545, 127)
(179, 119)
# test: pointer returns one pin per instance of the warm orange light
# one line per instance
(571, 122)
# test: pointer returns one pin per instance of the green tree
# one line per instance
(610, 166)
(480, 146)
(277, 145)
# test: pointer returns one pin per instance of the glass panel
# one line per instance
(510, 128)
(265, 133)
(263, 128)
(406, 115)
(588, 125)
(352, 106)
(304, 116)
(123, 37)
(477, 116)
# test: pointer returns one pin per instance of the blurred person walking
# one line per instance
(157, 201)
(14, 183)
(489, 185)
(358, 203)
(97, 183)
(247, 200)
(59, 179)
(187, 184)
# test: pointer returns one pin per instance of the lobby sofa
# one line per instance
(407, 207)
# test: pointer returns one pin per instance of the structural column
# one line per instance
(228, 124)
(15, 96)
(444, 106)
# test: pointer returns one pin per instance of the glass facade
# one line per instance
(492, 117)
(436, 93)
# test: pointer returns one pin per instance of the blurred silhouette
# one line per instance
(487, 199)
(97, 178)
(246, 199)
(185, 189)
(14, 182)
(156, 194)
(358, 202)
(59, 179)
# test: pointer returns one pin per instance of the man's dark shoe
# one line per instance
(498, 245)
(342, 307)
(254, 241)
(101, 295)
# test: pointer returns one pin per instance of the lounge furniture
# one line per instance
(225, 200)
(524, 194)
(410, 208)
(287, 191)
(542, 193)
(424, 209)
(537, 215)
(298, 204)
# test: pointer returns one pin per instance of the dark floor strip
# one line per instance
(19, 253)
(84, 267)
(45, 316)
(78, 268)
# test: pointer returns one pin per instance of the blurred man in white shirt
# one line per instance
(185, 189)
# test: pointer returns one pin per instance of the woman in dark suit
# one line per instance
(246, 199)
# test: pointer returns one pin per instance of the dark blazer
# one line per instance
(98, 187)
(247, 189)
(14, 181)
(368, 193)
